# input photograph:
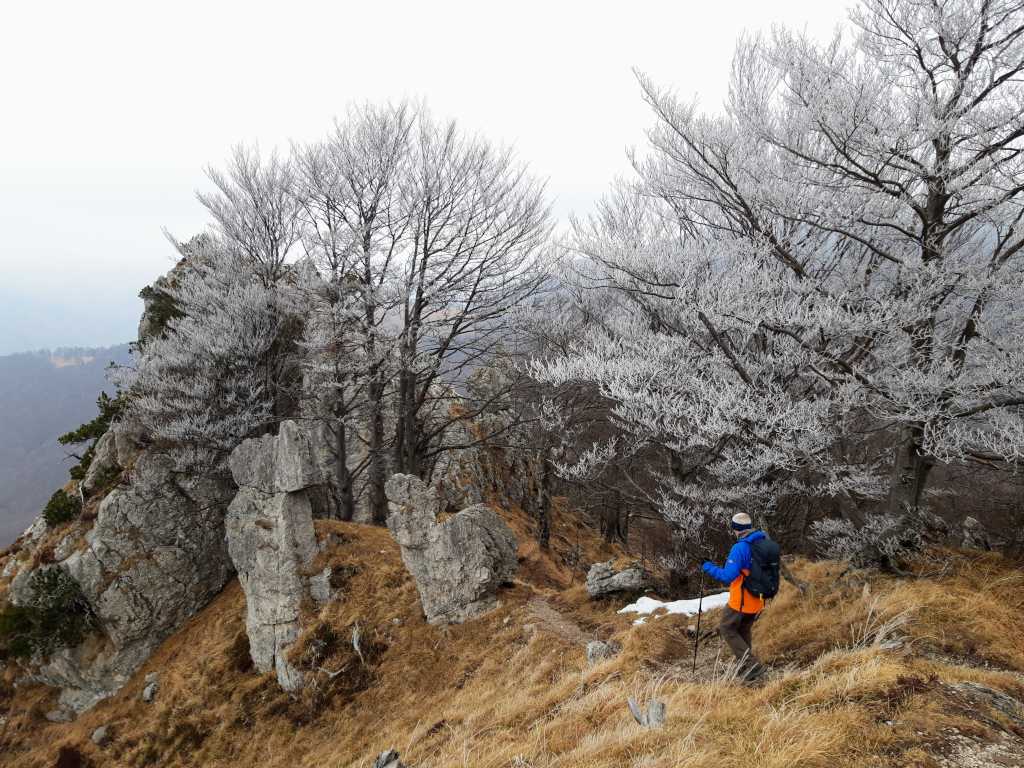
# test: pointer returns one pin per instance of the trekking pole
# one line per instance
(700, 604)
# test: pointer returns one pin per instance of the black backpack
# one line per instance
(763, 579)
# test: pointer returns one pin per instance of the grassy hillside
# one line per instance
(868, 671)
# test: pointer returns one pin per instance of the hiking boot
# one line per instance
(755, 673)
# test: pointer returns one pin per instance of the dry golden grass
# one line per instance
(860, 677)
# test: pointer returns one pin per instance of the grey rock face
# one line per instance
(598, 651)
(458, 564)
(272, 544)
(104, 463)
(34, 532)
(129, 441)
(470, 475)
(282, 463)
(154, 558)
(10, 568)
(602, 579)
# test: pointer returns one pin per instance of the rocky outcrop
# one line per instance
(489, 469)
(154, 557)
(272, 543)
(603, 579)
(457, 564)
(129, 441)
(103, 465)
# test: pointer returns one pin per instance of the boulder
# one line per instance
(388, 759)
(60, 715)
(603, 579)
(457, 564)
(973, 535)
(598, 651)
(150, 691)
(154, 557)
(272, 544)
(101, 736)
(653, 716)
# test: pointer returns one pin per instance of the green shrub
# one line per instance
(57, 616)
(109, 409)
(61, 508)
(160, 307)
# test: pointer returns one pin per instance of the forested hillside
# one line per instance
(43, 395)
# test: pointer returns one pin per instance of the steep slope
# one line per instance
(869, 671)
(43, 395)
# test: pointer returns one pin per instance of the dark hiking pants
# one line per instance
(735, 629)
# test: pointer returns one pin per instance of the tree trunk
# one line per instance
(343, 478)
(406, 432)
(544, 504)
(910, 470)
(375, 396)
(377, 470)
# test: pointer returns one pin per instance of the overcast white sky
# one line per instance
(111, 110)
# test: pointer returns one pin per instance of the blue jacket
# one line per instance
(738, 560)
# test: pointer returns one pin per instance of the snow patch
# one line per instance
(645, 606)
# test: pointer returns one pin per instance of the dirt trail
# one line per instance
(552, 620)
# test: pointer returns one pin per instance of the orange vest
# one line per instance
(740, 599)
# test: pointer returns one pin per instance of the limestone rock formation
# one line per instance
(272, 543)
(103, 465)
(505, 474)
(603, 579)
(281, 463)
(458, 564)
(154, 557)
(129, 441)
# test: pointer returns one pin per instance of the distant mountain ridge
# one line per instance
(43, 394)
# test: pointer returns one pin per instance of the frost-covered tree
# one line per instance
(255, 210)
(222, 366)
(435, 236)
(474, 250)
(334, 387)
(833, 261)
(355, 223)
(217, 373)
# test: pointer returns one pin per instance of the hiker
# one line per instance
(752, 573)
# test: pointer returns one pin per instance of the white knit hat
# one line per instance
(741, 521)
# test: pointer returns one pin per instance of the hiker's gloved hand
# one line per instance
(706, 566)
